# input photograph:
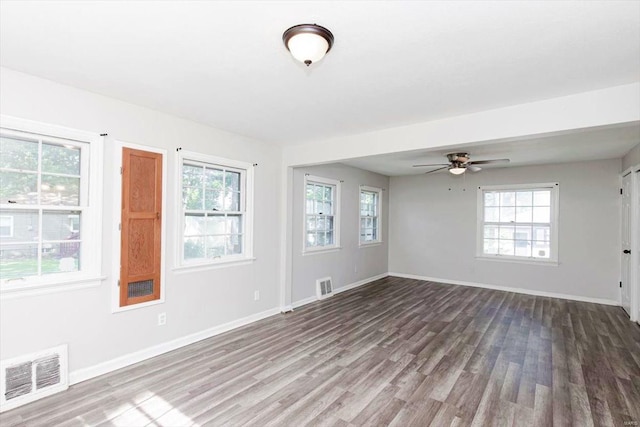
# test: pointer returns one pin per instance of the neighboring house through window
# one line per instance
(370, 204)
(322, 214)
(217, 219)
(518, 222)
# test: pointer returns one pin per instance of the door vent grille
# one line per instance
(324, 288)
(31, 377)
(140, 289)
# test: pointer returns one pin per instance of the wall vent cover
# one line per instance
(31, 377)
(324, 287)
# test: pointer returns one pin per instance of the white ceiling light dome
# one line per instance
(308, 43)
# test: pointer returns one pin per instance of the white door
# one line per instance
(626, 243)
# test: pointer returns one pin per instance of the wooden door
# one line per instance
(140, 244)
(626, 244)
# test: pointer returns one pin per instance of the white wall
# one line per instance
(433, 229)
(632, 158)
(195, 301)
(340, 265)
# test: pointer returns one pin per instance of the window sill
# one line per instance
(187, 268)
(369, 245)
(531, 261)
(21, 289)
(321, 251)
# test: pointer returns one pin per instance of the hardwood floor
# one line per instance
(396, 352)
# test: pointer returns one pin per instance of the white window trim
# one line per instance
(247, 243)
(336, 216)
(555, 209)
(91, 274)
(10, 217)
(117, 217)
(377, 190)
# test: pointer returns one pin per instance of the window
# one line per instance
(48, 175)
(518, 222)
(322, 214)
(370, 203)
(6, 226)
(216, 210)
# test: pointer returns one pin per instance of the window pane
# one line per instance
(60, 257)
(506, 247)
(309, 207)
(234, 224)
(542, 233)
(60, 159)
(524, 198)
(523, 233)
(216, 224)
(329, 223)
(318, 207)
(18, 187)
(491, 214)
(311, 223)
(328, 208)
(25, 225)
(311, 239)
(507, 232)
(374, 222)
(192, 176)
(491, 246)
(541, 249)
(491, 232)
(507, 214)
(194, 225)
(214, 178)
(491, 198)
(60, 190)
(232, 201)
(18, 260)
(234, 244)
(524, 214)
(541, 214)
(310, 192)
(542, 198)
(215, 246)
(56, 226)
(318, 192)
(328, 193)
(320, 239)
(193, 247)
(508, 198)
(329, 238)
(523, 248)
(213, 199)
(192, 198)
(232, 181)
(18, 154)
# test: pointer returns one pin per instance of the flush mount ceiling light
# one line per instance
(308, 43)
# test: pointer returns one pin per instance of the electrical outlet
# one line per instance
(162, 319)
(256, 295)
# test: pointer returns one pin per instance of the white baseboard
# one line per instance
(138, 356)
(344, 288)
(508, 289)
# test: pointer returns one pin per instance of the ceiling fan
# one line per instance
(460, 162)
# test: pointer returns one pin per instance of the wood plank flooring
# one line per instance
(397, 352)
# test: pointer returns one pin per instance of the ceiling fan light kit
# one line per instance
(460, 162)
(308, 43)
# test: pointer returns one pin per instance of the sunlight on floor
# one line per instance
(153, 410)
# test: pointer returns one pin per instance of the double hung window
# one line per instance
(518, 222)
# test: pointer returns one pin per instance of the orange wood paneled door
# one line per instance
(140, 243)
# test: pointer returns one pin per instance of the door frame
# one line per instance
(634, 274)
(117, 206)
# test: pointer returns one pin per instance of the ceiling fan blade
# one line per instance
(473, 168)
(436, 164)
(486, 162)
(436, 170)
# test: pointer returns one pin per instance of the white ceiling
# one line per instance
(589, 144)
(393, 63)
